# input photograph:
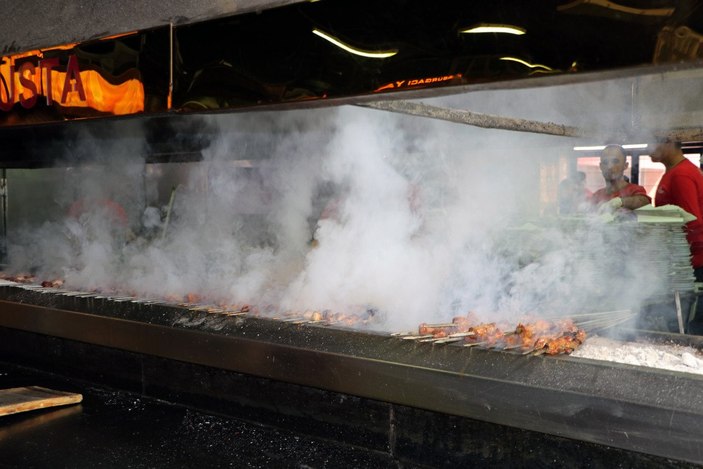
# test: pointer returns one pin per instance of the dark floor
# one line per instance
(114, 429)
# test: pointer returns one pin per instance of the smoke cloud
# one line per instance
(346, 209)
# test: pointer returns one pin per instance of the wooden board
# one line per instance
(16, 400)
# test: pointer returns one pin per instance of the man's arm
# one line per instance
(635, 197)
(635, 201)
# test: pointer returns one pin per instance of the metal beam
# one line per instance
(489, 121)
(486, 121)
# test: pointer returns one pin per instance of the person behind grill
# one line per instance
(100, 215)
(113, 211)
(682, 185)
(618, 193)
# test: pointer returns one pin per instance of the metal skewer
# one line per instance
(448, 340)
(417, 337)
(474, 344)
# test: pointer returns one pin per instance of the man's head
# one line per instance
(665, 150)
(613, 162)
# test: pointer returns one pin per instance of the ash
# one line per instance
(665, 356)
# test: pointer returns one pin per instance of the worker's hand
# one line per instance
(610, 206)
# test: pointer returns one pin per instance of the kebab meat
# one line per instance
(539, 336)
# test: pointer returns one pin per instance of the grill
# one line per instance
(609, 404)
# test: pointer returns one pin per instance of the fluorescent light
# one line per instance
(354, 50)
(591, 148)
(494, 28)
(526, 64)
(627, 146)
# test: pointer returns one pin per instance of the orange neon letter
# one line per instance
(48, 64)
(73, 73)
(28, 84)
(8, 89)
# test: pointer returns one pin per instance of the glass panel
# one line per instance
(328, 49)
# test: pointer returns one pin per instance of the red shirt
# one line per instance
(682, 185)
(629, 190)
(114, 210)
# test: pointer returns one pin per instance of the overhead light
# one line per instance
(627, 146)
(363, 53)
(494, 28)
(591, 148)
(526, 64)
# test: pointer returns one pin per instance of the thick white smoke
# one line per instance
(419, 220)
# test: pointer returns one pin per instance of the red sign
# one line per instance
(30, 81)
(419, 82)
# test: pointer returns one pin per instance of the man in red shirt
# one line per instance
(618, 193)
(682, 185)
(113, 211)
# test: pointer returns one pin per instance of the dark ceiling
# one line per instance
(272, 57)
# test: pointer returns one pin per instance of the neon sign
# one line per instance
(418, 82)
(27, 77)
